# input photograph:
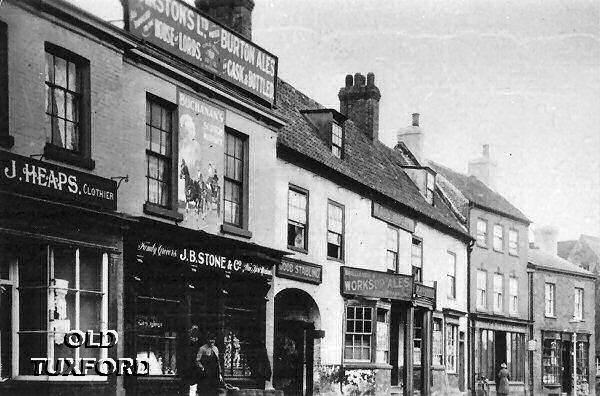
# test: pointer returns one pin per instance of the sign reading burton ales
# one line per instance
(34, 178)
(179, 29)
(300, 270)
(361, 282)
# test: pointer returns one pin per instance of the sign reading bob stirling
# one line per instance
(38, 179)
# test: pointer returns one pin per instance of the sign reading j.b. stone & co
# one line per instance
(361, 282)
(38, 179)
(177, 28)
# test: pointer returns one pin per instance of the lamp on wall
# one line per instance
(120, 180)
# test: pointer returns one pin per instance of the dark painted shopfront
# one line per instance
(181, 285)
(399, 312)
(60, 263)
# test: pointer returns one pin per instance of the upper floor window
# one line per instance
(498, 292)
(359, 333)
(6, 140)
(513, 242)
(481, 289)
(337, 138)
(451, 275)
(335, 231)
(297, 218)
(392, 249)
(482, 233)
(578, 302)
(513, 287)
(235, 183)
(417, 259)
(429, 187)
(498, 238)
(67, 106)
(549, 299)
(159, 131)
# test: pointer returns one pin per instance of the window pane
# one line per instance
(156, 112)
(33, 309)
(60, 71)
(90, 311)
(49, 68)
(71, 138)
(64, 265)
(90, 267)
(73, 86)
(31, 345)
(59, 101)
(155, 145)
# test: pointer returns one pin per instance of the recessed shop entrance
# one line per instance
(296, 318)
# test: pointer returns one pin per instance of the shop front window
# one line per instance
(383, 336)
(485, 355)
(438, 350)
(583, 372)
(60, 289)
(7, 288)
(417, 339)
(359, 333)
(451, 344)
(551, 362)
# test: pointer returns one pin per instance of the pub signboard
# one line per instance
(180, 30)
(368, 283)
(300, 271)
(38, 179)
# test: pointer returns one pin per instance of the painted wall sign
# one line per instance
(201, 162)
(361, 282)
(423, 291)
(300, 270)
(180, 30)
(200, 260)
(34, 178)
(391, 216)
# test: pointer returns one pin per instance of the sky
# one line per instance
(522, 76)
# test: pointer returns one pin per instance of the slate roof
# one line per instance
(479, 194)
(592, 242)
(548, 261)
(564, 248)
(371, 164)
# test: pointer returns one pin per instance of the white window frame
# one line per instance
(481, 302)
(513, 292)
(337, 149)
(513, 245)
(498, 285)
(498, 239)
(451, 275)
(50, 342)
(396, 249)
(451, 347)
(578, 303)
(549, 299)
(482, 233)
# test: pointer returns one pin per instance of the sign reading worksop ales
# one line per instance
(177, 28)
(38, 179)
(367, 283)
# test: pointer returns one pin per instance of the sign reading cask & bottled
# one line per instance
(180, 30)
(368, 283)
(300, 271)
(38, 179)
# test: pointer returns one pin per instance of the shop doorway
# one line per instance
(567, 358)
(461, 362)
(296, 318)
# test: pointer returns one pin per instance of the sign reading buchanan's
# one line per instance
(368, 283)
(179, 29)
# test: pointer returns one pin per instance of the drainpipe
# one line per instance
(470, 337)
(531, 333)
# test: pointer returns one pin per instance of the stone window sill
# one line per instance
(237, 231)
(159, 211)
(56, 153)
(6, 141)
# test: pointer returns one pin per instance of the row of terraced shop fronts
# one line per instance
(145, 190)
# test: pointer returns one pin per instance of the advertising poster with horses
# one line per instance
(201, 158)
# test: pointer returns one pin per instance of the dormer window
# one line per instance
(429, 187)
(337, 135)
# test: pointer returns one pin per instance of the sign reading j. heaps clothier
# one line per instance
(179, 29)
(38, 179)
(361, 282)
(200, 260)
(201, 159)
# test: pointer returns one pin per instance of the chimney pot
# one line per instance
(349, 80)
(370, 79)
(359, 80)
(415, 119)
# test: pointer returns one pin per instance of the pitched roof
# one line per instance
(478, 193)
(545, 260)
(564, 248)
(592, 242)
(369, 163)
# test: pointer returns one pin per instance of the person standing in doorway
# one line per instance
(207, 360)
(503, 386)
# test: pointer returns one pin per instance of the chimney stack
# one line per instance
(546, 239)
(360, 103)
(413, 137)
(235, 14)
(484, 168)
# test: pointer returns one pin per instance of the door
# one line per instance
(461, 362)
(567, 364)
(293, 360)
